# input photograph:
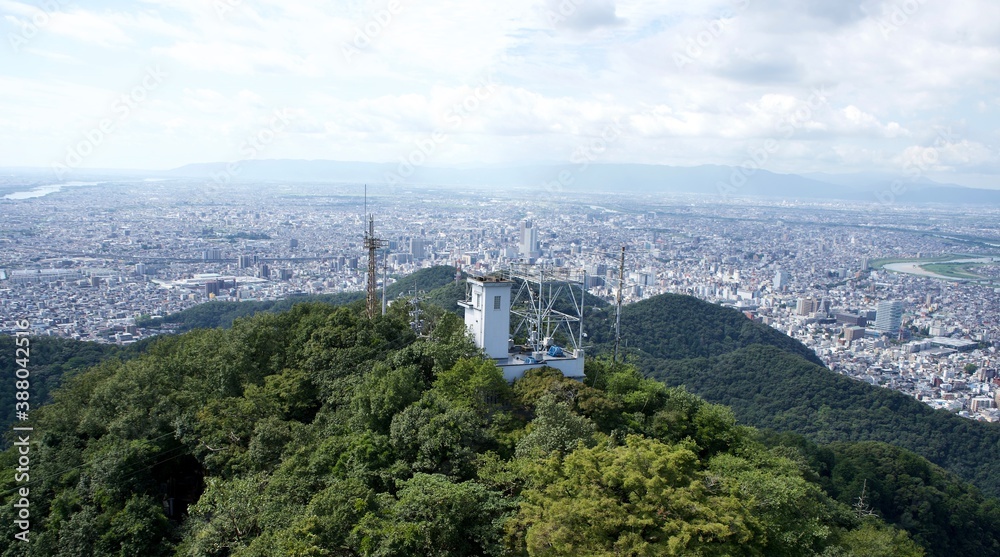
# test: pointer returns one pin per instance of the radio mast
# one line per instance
(618, 305)
(372, 244)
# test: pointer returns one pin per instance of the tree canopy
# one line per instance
(318, 432)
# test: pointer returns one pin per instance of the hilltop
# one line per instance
(318, 432)
(222, 313)
(313, 431)
(775, 382)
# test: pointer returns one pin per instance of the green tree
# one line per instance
(474, 383)
(555, 428)
(875, 540)
(384, 392)
(227, 516)
(643, 498)
(431, 516)
(434, 437)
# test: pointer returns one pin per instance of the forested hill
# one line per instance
(52, 359)
(772, 381)
(319, 432)
(675, 327)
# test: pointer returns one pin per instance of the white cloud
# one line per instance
(88, 27)
(558, 83)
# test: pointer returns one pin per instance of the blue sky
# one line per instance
(901, 86)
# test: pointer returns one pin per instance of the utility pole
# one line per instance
(385, 277)
(583, 303)
(618, 305)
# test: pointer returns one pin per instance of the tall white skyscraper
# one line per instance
(781, 279)
(529, 239)
(889, 316)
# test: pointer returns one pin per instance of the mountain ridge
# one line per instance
(725, 181)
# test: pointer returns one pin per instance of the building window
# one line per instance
(479, 301)
(496, 302)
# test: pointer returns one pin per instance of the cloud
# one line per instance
(942, 156)
(88, 27)
(582, 15)
(564, 71)
(761, 67)
(823, 13)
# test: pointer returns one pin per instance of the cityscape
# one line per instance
(904, 297)
(510, 279)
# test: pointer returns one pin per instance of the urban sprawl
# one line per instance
(900, 296)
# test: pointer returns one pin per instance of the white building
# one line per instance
(529, 240)
(889, 316)
(487, 317)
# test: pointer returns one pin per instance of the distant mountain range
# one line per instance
(724, 181)
(713, 180)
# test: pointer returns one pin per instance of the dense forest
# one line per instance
(52, 359)
(319, 432)
(772, 381)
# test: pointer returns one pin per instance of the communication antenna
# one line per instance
(372, 244)
(385, 277)
(618, 305)
(416, 322)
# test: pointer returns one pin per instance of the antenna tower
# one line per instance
(618, 305)
(534, 306)
(372, 244)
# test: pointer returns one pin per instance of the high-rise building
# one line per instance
(781, 279)
(529, 239)
(212, 288)
(211, 254)
(247, 261)
(805, 306)
(889, 316)
(852, 333)
(417, 246)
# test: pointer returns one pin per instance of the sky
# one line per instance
(909, 87)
